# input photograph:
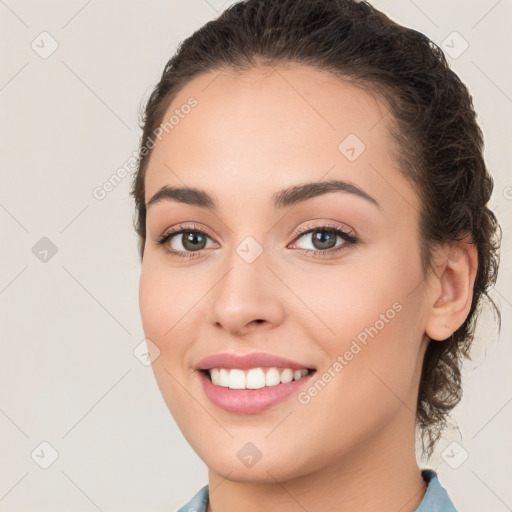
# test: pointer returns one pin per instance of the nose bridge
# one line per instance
(247, 292)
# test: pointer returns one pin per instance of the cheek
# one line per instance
(155, 315)
(367, 316)
(164, 304)
(342, 302)
(164, 317)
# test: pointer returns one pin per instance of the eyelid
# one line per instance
(319, 226)
(185, 227)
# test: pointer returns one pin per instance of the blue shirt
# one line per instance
(436, 498)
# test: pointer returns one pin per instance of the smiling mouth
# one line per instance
(254, 378)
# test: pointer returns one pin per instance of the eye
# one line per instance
(184, 241)
(324, 239)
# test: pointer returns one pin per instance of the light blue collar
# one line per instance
(436, 498)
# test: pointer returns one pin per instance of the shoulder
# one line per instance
(198, 503)
(436, 498)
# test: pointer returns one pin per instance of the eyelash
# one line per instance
(349, 240)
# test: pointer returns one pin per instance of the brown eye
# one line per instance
(191, 240)
(325, 238)
(184, 242)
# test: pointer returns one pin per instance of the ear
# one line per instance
(451, 288)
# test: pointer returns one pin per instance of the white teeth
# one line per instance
(272, 378)
(223, 378)
(255, 378)
(287, 375)
(236, 379)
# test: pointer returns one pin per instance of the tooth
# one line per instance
(236, 379)
(272, 377)
(286, 375)
(214, 374)
(297, 374)
(223, 378)
(304, 372)
(255, 379)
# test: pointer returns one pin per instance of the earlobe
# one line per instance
(453, 293)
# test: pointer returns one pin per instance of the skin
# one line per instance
(352, 446)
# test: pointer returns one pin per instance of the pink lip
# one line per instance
(250, 401)
(254, 360)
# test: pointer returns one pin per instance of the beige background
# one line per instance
(69, 326)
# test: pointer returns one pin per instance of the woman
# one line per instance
(315, 242)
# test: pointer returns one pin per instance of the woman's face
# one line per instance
(253, 276)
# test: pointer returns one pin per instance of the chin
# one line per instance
(267, 469)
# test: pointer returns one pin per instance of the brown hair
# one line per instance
(433, 120)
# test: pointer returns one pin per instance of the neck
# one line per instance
(381, 474)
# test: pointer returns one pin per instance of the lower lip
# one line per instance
(249, 401)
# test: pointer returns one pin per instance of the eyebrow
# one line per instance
(282, 199)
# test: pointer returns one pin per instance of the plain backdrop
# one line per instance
(73, 76)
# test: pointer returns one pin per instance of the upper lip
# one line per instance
(254, 360)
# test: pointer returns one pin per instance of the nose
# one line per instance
(248, 296)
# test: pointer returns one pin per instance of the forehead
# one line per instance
(281, 125)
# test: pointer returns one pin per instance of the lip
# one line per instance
(250, 401)
(254, 360)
